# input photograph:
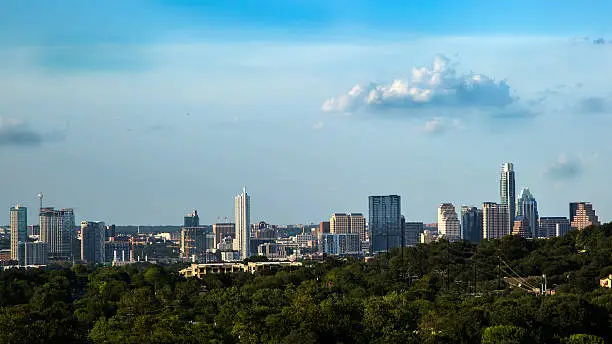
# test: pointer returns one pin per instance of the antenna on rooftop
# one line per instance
(40, 196)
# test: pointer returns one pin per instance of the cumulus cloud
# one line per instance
(439, 124)
(14, 132)
(564, 168)
(431, 87)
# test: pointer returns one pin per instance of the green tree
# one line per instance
(505, 334)
(583, 339)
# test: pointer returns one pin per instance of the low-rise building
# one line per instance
(198, 270)
(606, 282)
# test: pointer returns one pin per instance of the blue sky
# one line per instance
(135, 112)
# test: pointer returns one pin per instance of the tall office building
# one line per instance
(323, 227)
(19, 233)
(223, 230)
(507, 191)
(471, 224)
(521, 227)
(92, 241)
(56, 229)
(527, 206)
(583, 216)
(192, 220)
(412, 233)
(572, 210)
(338, 244)
(448, 222)
(242, 211)
(550, 227)
(341, 223)
(494, 220)
(385, 222)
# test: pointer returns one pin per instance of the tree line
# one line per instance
(436, 293)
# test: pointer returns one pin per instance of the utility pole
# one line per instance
(474, 277)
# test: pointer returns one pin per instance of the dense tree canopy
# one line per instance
(437, 293)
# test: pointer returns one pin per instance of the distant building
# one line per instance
(272, 250)
(606, 282)
(340, 244)
(494, 220)
(412, 233)
(226, 244)
(111, 231)
(57, 230)
(19, 233)
(230, 256)
(191, 220)
(428, 236)
(385, 224)
(34, 230)
(339, 223)
(521, 227)
(324, 227)
(471, 224)
(194, 241)
(242, 211)
(527, 206)
(584, 216)
(35, 253)
(507, 192)
(117, 251)
(262, 230)
(449, 226)
(93, 236)
(306, 240)
(550, 227)
(223, 230)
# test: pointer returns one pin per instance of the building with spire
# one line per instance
(527, 206)
(507, 191)
(242, 211)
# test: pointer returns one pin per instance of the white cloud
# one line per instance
(436, 86)
(565, 168)
(440, 124)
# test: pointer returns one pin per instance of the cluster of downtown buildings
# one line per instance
(57, 238)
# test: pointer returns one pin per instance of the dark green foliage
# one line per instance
(438, 293)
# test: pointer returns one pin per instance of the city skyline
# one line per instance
(290, 87)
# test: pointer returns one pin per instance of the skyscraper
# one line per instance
(242, 210)
(194, 241)
(358, 225)
(448, 222)
(385, 222)
(19, 233)
(583, 216)
(412, 233)
(527, 207)
(494, 220)
(56, 229)
(222, 230)
(507, 191)
(348, 223)
(92, 241)
(471, 222)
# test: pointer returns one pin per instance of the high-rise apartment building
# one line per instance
(584, 216)
(521, 227)
(412, 233)
(550, 227)
(471, 224)
(223, 230)
(242, 210)
(93, 235)
(19, 233)
(385, 224)
(527, 206)
(338, 244)
(507, 191)
(191, 220)
(324, 227)
(494, 220)
(56, 229)
(448, 222)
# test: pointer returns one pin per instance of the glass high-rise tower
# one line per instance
(242, 210)
(507, 191)
(527, 207)
(385, 222)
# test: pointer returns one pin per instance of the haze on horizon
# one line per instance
(139, 112)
